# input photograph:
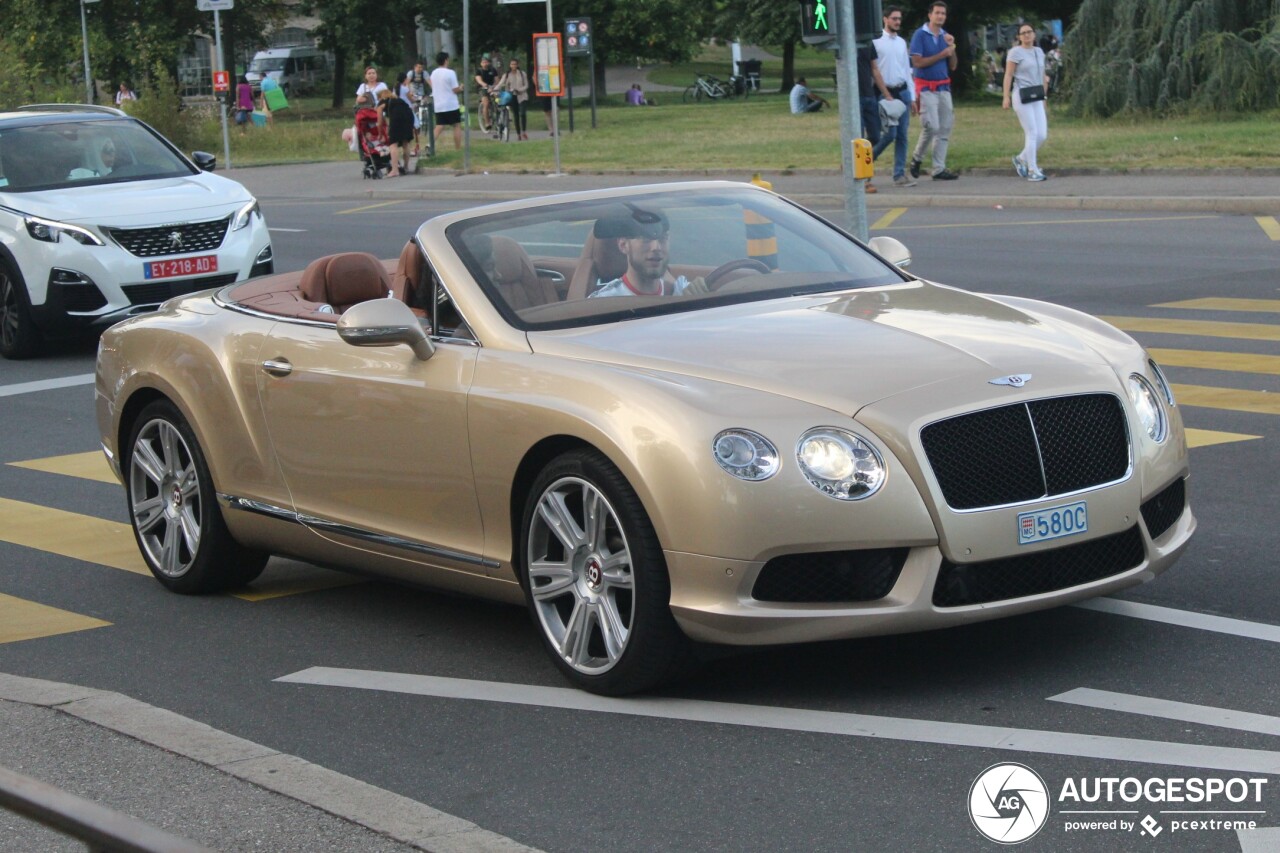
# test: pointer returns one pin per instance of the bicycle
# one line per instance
(709, 87)
(501, 120)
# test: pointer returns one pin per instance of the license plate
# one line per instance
(1042, 524)
(181, 266)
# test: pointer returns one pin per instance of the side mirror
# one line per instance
(206, 161)
(891, 250)
(382, 323)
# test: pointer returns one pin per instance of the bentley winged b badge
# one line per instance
(1013, 380)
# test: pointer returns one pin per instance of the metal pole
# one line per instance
(568, 82)
(591, 64)
(466, 70)
(84, 36)
(855, 199)
(217, 66)
(555, 105)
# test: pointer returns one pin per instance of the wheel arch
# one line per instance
(535, 459)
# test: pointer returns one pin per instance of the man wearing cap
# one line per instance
(643, 237)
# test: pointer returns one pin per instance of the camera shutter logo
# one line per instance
(1008, 803)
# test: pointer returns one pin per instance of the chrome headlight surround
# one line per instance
(1161, 382)
(245, 215)
(745, 454)
(1146, 402)
(50, 231)
(840, 464)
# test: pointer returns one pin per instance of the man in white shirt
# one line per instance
(444, 96)
(895, 69)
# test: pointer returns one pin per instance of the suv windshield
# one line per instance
(582, 263)
(264, 64)
(69, 154)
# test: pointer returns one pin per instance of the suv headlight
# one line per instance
(50, 231)
(745, 454)
(840, 464)
(245, 215)
(1147, 404)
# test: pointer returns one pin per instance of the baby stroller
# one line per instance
(371, 142)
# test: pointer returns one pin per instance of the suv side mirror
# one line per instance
(206, 161)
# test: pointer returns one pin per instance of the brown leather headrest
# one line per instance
(609, 260)
(345, 279)
(408, 276)
(511, 264)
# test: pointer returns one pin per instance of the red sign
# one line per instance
(222, 81)
(180, 266)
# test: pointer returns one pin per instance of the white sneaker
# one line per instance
(1037, 175)
(1020, 167)
(903, 181)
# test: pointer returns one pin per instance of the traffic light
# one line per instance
(817, 21)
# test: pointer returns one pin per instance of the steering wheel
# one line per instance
(713, 278)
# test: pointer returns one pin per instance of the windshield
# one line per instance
(69, 154)
(263, 64)
(586, 263)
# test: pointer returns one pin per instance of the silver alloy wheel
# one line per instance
(9, 308)
(580, 575)
(164, 492)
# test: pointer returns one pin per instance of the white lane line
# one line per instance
(289, 230)
(799, 720)
(1185, 618)
(1205, 715)
(46, 385)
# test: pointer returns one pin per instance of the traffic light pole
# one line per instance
(855, 199)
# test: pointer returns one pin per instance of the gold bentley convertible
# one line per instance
(659, 416)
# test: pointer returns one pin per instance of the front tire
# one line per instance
(19, 337)
(595, 579)
(173, 508)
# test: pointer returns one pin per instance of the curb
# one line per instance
(373, 808)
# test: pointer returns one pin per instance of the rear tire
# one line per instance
(19, 337)
(173, 508)
(595, 579)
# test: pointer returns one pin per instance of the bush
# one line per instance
(160, 106)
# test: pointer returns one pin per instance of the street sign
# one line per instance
(548, 78)
(222, 81)
(579, 39)
(215, 5)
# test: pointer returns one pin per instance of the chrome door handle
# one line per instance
(277, 367)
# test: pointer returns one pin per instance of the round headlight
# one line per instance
(1148, 407)
(840, 464)
(1165, 388)
(745, 454)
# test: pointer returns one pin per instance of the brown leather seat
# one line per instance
(516, 278)
(409, 281)
(601, 260)
(345, 280)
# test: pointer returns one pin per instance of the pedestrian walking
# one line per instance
(516, 82)
(444, 97)
(1025, 85)
(895, 69)
(933, 56)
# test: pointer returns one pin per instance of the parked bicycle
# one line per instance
(710, 88)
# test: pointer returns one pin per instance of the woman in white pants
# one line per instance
(1025, 84)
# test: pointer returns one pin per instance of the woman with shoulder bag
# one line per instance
(516, 82)
(1025, 84)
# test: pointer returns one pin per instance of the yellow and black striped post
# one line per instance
(762, 239)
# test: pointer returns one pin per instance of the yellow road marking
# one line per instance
(89, 466)
(1208, 437)
(27, 620)
(1232, 399)
(1270, 226)
(369, 207)
(889, 218)
(1205, 328)
(1240, 362)
(1215, 303)
(1057, 222)
(70, 534)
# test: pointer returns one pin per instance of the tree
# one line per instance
(765, 22)
(1161, 55)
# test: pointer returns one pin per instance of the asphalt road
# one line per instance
(841, 762)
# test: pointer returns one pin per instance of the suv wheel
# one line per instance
(18, 335)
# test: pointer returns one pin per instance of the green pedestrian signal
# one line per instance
(818, 24)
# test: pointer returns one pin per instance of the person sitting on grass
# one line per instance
(805, 101)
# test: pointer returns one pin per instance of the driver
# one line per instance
(643, 238)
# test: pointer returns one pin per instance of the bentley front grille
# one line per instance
(1028, 451)
(181, 239)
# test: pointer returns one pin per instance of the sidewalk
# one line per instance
(201, 784)
(1226, 191)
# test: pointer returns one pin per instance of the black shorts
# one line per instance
(449, 117)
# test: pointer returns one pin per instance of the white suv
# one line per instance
(102, 218)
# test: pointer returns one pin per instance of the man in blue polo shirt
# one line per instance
(933, 56)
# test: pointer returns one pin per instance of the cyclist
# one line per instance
(415, 93)
(486, 78)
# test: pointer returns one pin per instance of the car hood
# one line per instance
(138, 203)
(840, 351)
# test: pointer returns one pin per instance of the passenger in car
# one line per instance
(643, 237)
